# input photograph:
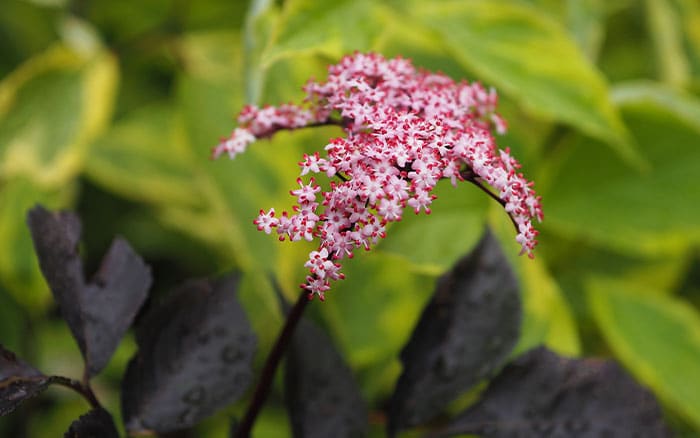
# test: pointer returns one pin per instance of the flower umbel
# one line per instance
(405, 130)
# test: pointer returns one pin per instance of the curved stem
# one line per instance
(78, 387)
(470, 176)
(268, 373)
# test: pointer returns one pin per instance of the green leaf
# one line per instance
(213, 14)
(594, 195)
(646, 94)
(234, 191)
(525, 54)
(405, 36)
(329, 28)
(690, 15)
(282, 79)
(627, 52)
(657, 337)
(666, 33)
(55, 422)
(586, 21)
(548, 319)
(50, 109)
(433, 243)
(25, 29)
(211, 54)
(260, 23)
(144, 157)
(12, 320)
(572, 260)
(125, 23)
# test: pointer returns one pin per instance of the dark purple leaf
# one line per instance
(95, 424)
(195, 356)
(322, 397)
(18, 381)
(465, 333)
(100, 312)
(56, 237)
(112, 300)
(542, 394)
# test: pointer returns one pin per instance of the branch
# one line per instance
(80, 388)
(470, 176)
(268, 373)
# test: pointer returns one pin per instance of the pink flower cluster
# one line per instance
(405, 130)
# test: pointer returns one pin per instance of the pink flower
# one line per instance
(266, 221)
(307, 193)
(235, 144)
(405, 130)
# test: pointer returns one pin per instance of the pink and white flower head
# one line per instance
(405, 129)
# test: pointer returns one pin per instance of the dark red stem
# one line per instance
(470, 176)
(273, 359)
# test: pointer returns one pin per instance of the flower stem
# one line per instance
(470, 176)
(273, 359)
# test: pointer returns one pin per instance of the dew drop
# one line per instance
(18, 394)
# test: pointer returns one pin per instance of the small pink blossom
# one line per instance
(405, 130)
(307, 193)
(266, 221)
(312, 163)
(235, 144)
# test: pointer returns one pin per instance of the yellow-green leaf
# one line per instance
(586, 21)
(211, 54)
(690, 16)
(592, 194)
(145, 157)
(531, 57)
(329, 28)
(50, 109)
(667, 35)
(433, 243)
(548, 319)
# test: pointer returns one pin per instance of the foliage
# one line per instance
(111, 109)
(196, 348)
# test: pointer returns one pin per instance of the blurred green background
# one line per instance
(111, 108)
